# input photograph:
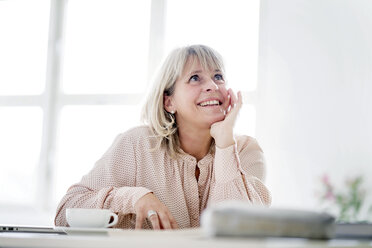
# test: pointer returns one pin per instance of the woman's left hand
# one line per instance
(222, 131)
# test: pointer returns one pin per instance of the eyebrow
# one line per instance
(195, 72)
(199, 71)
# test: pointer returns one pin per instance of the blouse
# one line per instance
(132, 168)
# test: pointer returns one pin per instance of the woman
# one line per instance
(186, 158)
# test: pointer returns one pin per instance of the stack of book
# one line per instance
(238, 219)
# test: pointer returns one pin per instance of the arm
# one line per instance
(110, 184)
(239, 173)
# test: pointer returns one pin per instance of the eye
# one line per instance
(218, 77)
(194, 78)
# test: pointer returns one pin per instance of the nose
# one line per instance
(210, 85)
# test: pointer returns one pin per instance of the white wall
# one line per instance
(315, 95)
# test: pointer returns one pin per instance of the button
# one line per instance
(195, 217)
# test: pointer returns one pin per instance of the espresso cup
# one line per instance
(90, 217)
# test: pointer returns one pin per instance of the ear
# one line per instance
(168, 104)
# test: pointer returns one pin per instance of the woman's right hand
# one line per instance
(162, 220)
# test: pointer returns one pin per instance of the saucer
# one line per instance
(83, 230)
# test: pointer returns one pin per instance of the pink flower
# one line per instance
(329, 195)
(325, 179)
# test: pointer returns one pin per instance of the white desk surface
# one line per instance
(148, 239)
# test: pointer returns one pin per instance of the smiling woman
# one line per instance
(164, 174)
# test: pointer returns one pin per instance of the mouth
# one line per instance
(210, 103)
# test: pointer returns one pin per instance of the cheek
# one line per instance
(224, 95)
(186, 97)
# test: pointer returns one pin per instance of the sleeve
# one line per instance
(111, 184)
(239, 174)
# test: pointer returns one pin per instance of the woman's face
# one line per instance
(200, 97)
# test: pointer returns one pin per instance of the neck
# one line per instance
(195, 142)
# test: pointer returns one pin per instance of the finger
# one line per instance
(164, 220)
(173, 222)
(240, 98)
(234, 99)
(139, 220)
(230, 94)
(228, 108)
(155, 222)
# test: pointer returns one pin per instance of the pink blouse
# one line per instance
(130, 169)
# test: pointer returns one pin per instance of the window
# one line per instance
(23, 54)
(22, 81)
(107, 50)
(104, 72)
(20, 143)
(68, 91)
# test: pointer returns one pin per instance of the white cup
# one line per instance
(92, 217)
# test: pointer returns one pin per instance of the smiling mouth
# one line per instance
(210, 103)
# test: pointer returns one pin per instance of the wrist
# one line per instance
(225, 140)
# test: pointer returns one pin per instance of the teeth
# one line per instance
(209, 103)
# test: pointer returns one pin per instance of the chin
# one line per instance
(216, 119)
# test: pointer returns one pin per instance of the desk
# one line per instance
(148, 239)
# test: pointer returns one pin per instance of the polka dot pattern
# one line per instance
(130, 169)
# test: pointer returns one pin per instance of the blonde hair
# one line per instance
(162, 123)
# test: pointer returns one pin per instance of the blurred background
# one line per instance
(74, 74)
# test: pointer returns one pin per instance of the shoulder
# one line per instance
(245, 142)
(137, 132)
(140, 135)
